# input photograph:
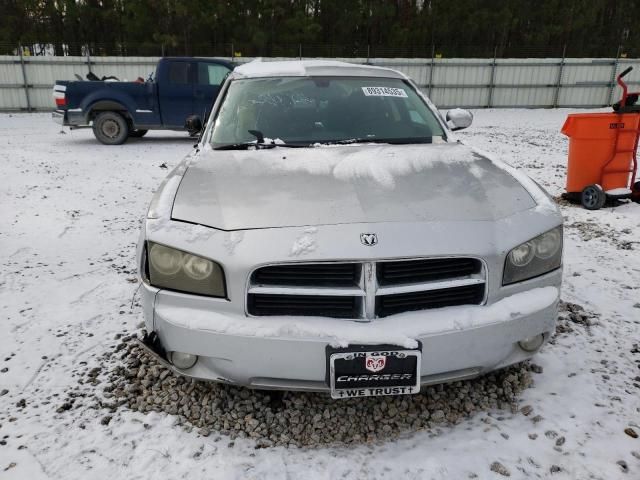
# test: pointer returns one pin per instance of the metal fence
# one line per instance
(26, 81)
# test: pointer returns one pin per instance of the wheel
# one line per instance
(593, 197)
(137, 133)
(110, 128)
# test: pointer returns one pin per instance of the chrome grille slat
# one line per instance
(365, 290)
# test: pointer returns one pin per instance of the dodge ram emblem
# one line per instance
(369, 239)
(375, 363)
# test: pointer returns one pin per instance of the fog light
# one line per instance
(183, 360)
(532, 344)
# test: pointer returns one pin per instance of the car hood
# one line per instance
(284, 187)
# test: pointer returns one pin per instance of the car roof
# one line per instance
(306, 68)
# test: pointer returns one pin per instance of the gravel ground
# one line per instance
(141, 383)
(133, 379)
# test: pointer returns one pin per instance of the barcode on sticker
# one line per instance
(384, 92)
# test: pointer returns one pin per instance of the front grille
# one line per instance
(417, 271)
(309, 274)
(365, 290)
(306, 305)
(447, 297)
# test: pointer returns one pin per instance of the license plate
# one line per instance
(373, 370)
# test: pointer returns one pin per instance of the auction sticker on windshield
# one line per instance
(373, 370)
(384, 92)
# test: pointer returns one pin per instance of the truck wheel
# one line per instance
(137, 133)
(593, 197)
(110, 128)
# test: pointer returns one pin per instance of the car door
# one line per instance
(176, 93)
(209, 79)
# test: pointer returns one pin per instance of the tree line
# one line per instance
(413, 28)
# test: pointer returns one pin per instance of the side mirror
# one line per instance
(459, 118)
(193, 124)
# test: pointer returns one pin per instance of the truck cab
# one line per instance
(179, 88)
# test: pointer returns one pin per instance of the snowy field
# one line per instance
(69, 216)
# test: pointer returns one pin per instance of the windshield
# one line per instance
(310, 110)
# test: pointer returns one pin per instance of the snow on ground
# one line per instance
(69, 217)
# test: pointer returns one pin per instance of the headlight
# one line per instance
(165, 260)
(549, 244)
(197, 268)
(177, 270)
(522, 254)
(534, 258)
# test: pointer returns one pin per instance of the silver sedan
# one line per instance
(330, 233)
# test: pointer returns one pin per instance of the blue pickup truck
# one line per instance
(180, 87)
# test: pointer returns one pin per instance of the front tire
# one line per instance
(137, 133)
(110, 128)
(593, 197)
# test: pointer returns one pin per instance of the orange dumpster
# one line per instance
(601, 149)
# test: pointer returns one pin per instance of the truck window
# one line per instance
(211, 73)
(179, 73)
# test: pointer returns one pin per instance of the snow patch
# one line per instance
(476, 171)
(231, 240)
(258, 68)
(305, 243)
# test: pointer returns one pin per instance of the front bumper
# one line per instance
(452, 349)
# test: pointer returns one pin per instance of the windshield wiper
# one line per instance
(258, 146)
(258, 134)
(391, 141)
(259, 143)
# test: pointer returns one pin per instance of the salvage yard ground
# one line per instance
(69, 221)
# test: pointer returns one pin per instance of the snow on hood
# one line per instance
(242, 189)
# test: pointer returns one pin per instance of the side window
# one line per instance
(179, 73)
(211, 73)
